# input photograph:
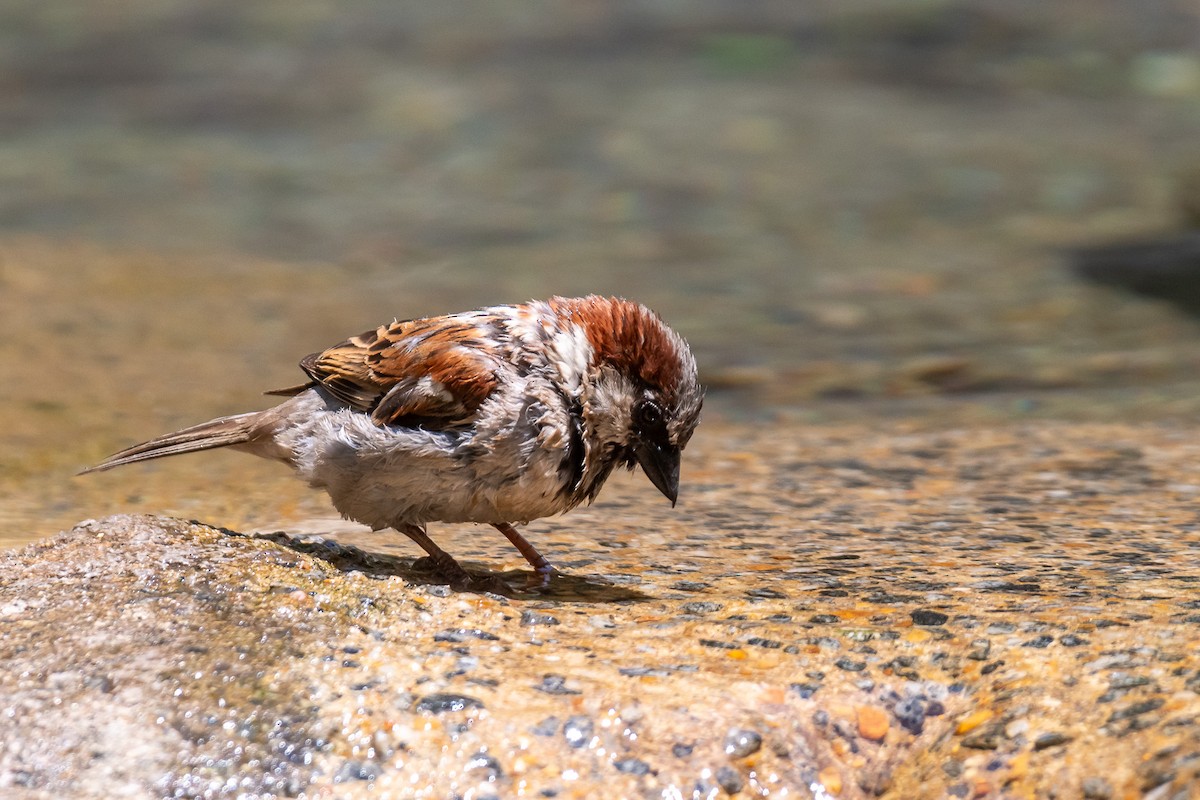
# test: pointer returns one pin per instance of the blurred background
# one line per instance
(882, 212)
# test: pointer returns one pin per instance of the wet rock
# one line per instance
(313, 676)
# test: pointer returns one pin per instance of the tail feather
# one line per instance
(220, 432)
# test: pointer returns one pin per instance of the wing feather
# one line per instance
(432, 372)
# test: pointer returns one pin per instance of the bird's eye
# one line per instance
(647, 414)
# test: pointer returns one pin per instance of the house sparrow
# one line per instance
(500, 415)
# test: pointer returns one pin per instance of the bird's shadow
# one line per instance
(564, 587)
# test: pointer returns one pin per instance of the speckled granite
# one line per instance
(831, 612)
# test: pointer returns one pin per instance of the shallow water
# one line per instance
(849, 214)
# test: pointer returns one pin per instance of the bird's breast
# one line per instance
(520, 460)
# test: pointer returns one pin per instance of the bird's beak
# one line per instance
(661, 465)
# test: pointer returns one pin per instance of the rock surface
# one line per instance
(830, 613)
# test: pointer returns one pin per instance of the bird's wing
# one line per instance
(431, 372)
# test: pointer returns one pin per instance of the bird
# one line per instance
(501, 415)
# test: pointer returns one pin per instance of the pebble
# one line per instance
(486, 763)
(973, 720)
(459, 635)
(547, 727)
(1051, 739)
(530, 618)
(922, 616)
(729, 779)
(555, 684)
(872, 723)
(740, 742)
(357, 771)
(632, 766)
(910, 713)
(442, 702)
(1096, 789)
(701, 607)
(577, 730)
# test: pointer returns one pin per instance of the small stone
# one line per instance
(459, 635)
(632, 766)
(530, 618)
(632, 714)
(831, 779)
(1136, 709)
(1015, 728)
(1096, 789)
(555, 684)
(824, 619)
(805, 690)
(770, 644)
(729, 779)
(910, 713)
(487, 764)
(922, 616)
(872, 723)
(356, 771)
(578, 731)
(740, 742)
(983, 739)
(442, 702)
(680, 750)
(642, 672)
(980, 648)
(973, 721)
(547, 727)
(1051, 739)
(701, 607)
(850, 665)
(719, 644)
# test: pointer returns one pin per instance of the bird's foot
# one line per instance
(459, 579)
(539, 579)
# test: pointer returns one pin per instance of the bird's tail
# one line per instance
(220, 432)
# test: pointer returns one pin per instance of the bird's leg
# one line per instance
(443, 562)
(541, 566)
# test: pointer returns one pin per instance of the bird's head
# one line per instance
(640, 393)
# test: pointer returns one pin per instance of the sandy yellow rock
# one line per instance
(831, 779)
(873, 723)
(973, 721)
